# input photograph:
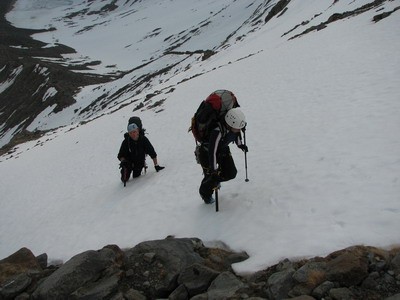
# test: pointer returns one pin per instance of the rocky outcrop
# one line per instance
(91, 273)
(345, 15)
(279, 8)
(185, 269)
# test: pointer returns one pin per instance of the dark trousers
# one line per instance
(226, 170)
(134, 168)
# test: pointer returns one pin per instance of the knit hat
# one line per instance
(132, 127)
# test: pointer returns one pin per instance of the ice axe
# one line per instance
(245, 154)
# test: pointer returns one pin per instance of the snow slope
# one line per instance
(323, 163)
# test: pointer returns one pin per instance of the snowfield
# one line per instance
(323, 116)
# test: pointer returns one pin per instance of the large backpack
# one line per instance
(210, 112)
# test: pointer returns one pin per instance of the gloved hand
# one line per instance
(124, 164)
(158, 168)
(243, 147)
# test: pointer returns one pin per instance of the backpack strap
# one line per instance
(221, 128)
(128, 142)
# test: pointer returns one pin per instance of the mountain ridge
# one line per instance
(64, 80)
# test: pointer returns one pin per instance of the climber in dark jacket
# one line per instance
(133, 152)
(215, 156)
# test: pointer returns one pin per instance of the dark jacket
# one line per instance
(218, 143)
(135, 151)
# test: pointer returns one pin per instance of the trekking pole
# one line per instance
(216, 200)
(245, 156)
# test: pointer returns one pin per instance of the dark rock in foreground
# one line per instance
(185, 269)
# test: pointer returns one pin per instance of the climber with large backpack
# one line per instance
(133, 151)
(217, 123)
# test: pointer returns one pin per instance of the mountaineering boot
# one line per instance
(208, 199)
